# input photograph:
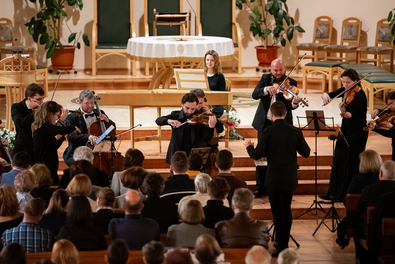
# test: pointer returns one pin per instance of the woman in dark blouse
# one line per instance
(45, 129)
(9, 214)
(55, 215)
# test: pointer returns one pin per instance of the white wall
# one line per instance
(304, 12)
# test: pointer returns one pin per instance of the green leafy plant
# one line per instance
(45, 26)
(270, 17)
(391, 20)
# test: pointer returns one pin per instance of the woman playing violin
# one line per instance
(352, 138)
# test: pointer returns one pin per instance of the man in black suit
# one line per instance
(280, 143)
(22, 114)
(184, 137)
(265, 91)
(83, 118)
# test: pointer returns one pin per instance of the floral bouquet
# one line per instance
(9, 136)
(233, 123)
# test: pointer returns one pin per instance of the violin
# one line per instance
(388, 116)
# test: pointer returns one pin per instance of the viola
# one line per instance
(388, 116)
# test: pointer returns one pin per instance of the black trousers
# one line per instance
(260, 172)
(280, 203)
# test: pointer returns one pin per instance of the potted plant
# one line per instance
(270, 21)
(45, 29)
(391, 20)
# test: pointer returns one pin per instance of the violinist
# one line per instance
(83, 118)
(385, 126)
(23, 117)
(186, 136)
(265, 90)
(352, 138)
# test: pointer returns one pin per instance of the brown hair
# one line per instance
(217, 65)
(178, 256)
(58, 202)
(34, 207)
(207, 249)
(43, 114)
(9, 205)
(80, 184)
(64, 252)
(133, 157)
(179, 162)
(193, 213)
(278, 109)
(33, 89)
(23, 182)
(133, 177)
(106, 196)
(42, 176)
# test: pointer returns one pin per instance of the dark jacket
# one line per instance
(361, 181)
(103, 217)
(234, 183)
(87, 238)
(215, 211)
(242, 231)
(53, 222)
(163, 212)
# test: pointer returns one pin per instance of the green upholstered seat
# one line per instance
(113, 46)
(381, 78)
(163, 6)
(356, 66)
(329, 64)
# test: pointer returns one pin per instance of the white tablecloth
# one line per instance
(168, 48)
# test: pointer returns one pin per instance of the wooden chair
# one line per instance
(350, 35)
(322, 36)
(217, 18)
(353, 215)
(382, 47)
(112, 27)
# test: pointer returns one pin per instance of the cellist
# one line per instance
(352, 138)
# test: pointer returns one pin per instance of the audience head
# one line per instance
(258, 255)
(83, 153)
(178, 256)
(79, 212)
(80, 184)
(201, 182)
(218, 189)
(370, 162)
(224, 160)
(387, 170)
(133, 203)
(83, 167)
(278, 109)
(193, 213)
(58, 202)
(133, 177)
(207, 249)
(9, 204)
(105, 197)
(153, 252)
(117, 252)
(87, 102)
(13, 254)
(64, 252)
(23, 182)
(242, 199)
(179, 162)
(33, 210)
(211, 60)
(21, 160)
(153, 184)
(288, 256)
(133, 157)
(42, 176)
(195, 161)
(189, 104)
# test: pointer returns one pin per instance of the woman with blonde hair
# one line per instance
(64, 252)
(105, 199)
(9, 214)
(55, 215)
(42, 182)
(81, 184)
(45, 129)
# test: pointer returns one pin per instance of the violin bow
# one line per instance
(197, 116)
(56, 85)
(385, 109)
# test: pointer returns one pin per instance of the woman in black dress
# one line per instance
(351, 140)
(45, 128)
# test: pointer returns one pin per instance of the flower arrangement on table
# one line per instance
(234, 122)
(9, 136)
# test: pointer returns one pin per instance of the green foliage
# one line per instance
(391, 20)
(45, 26)
(270, 18)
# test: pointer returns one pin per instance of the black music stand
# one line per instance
(315, 122)
(208, 154)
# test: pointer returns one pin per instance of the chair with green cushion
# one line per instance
(111, 30)
(328, 69)
(217, 18)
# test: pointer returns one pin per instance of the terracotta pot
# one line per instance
(266, 55)
(63, 59)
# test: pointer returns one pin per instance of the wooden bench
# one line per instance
(388, 240)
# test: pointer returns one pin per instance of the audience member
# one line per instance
(153, 253)
(258, 255)
(134, 229)
(186, 233)
(242, 230)
(64, 252)
(13, 254)
(131, 179)
(42, 182)
(85, 167)
(55, 215)
(133, 157)
(117, 252)
(20, 162)
(105, 208)
(9, 214)
(23, 185)
(28, 233)
(195, 162)
(369, 168)
(163, 212)
(82, 185)
(207, 249)
(224, 163)
(215, 210)
(179, 181)
(178, 256)
(79, 228)
(288, 256)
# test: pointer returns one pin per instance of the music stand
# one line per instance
(208, 154)
(316, 122)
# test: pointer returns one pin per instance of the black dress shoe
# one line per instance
(275, 253)
(258, 194)
(325, 197)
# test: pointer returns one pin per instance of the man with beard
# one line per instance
(265, 90)
(184, 137)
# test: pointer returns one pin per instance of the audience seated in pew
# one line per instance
(81, 185)
(20, 162)
(207, 249)
(23, 184)
(178, 256)
(105, 209)
(133, 157)
(9, 208)
(42, 182)
(288, 256)
(134, 229)
(153, 253)
(163, 212)
(195, 162)
(258, 255)
(117, 252)
(64, 252)
(13, 253)
(55, 214)
(131, 179)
